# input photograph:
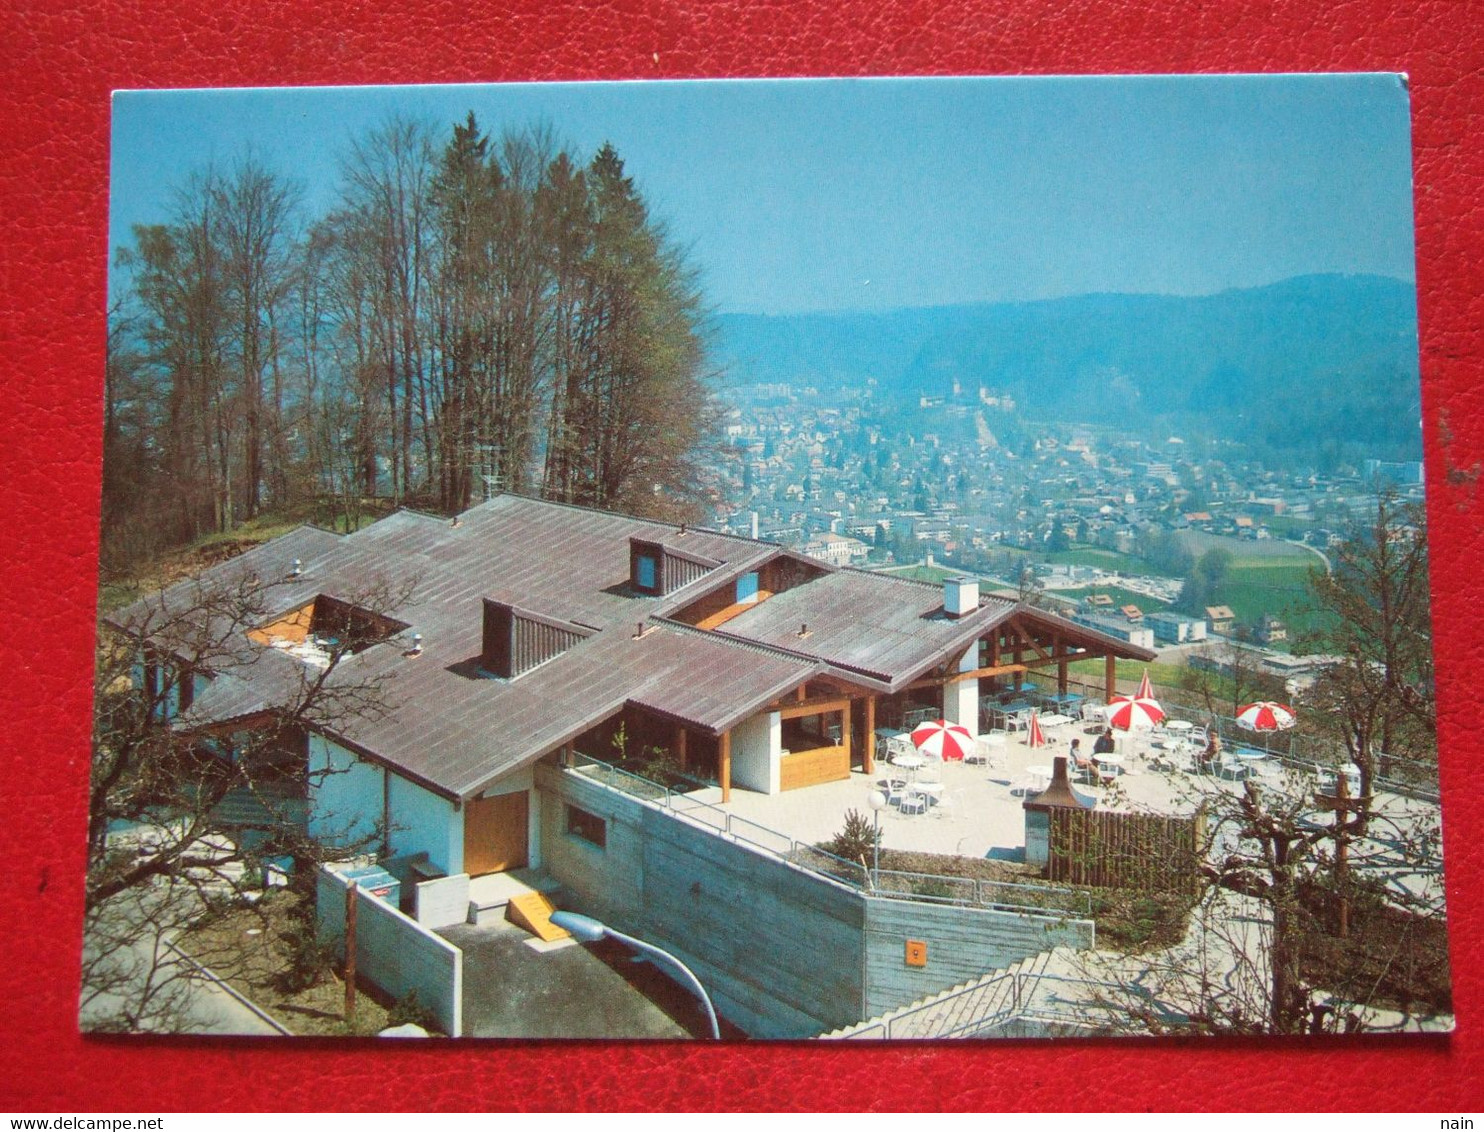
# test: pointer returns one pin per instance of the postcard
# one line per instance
(843, 559)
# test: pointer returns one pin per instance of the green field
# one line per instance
(1120, 597)
(1106, 560)
(1282, 590)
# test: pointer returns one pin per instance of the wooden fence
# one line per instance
(1113, 850)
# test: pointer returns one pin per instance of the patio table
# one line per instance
(1055, 720)
(911, 762)
(1179, 725)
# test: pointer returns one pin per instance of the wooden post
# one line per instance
(724, 758)
(680, 751)
(1061, 678)
(1110, 677)
(868, 756)
(350, 953)
(845, 723)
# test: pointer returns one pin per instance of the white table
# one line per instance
(1179, 726)
(911, 762)
(1038, 775)
(1055, 720)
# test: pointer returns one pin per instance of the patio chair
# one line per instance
(1092, 711)
(986, 749)
(1231, 768)
(894, 787)
(914, 801)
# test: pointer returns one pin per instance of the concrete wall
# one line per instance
(961, 700)
(757, 747)
(394, 952)
(345, 795)
(784, 952)
(780, 950)
(438, 903)
(962, 943)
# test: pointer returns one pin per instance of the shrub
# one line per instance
(307, 957)
(409, 1008)
(856, 841)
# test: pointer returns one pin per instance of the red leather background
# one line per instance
(58, 69)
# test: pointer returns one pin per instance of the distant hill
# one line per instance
(1286, 364)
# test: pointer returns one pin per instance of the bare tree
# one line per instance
(183, 811)
(1264, 952)
(1377, 699)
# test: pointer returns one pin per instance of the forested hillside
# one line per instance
(1282, 366)
(473, 312)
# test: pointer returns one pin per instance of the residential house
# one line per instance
(1220, 618)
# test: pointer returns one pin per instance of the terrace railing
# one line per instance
(934, 888)
(1396, 774)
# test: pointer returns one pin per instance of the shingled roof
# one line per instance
(446, 722)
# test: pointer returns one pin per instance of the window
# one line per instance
(747, 588)
(646, 570)
(589, 827)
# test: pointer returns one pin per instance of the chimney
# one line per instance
(754, 524)
(1038, 813)
(960, 596)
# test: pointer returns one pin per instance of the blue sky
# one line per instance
(860, 194)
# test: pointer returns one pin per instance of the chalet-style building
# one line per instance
(1220, 618)
(536, 631)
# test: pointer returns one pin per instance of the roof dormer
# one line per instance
(517, 640)
(658, 569)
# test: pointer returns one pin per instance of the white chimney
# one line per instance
(960, 596)
(754, 524)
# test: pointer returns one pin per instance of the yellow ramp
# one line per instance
(532, 911)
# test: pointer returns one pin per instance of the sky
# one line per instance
(873, 194)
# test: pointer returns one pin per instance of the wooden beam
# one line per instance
(954, 678)
(868, 756)
(1110, 676)
(803, 707)
(1014, 623)
(724, 759)
(814, 707)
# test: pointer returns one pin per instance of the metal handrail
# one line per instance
(805, 855)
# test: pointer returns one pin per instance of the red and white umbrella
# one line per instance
(1129, 713)
(1266, 716)
(1146, 689)
(1034, 736)
(943, 740)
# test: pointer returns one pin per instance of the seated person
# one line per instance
(1211, 756)
(1082, 764)
(1104, 744)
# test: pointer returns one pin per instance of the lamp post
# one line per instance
(589, 930)
(878, 802)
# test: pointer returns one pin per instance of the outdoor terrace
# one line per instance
(981, 814)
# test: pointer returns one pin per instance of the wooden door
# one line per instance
(495, 831)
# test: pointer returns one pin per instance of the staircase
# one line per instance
(491, 896)
(979, 1007)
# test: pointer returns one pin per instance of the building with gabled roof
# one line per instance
(535, 631)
